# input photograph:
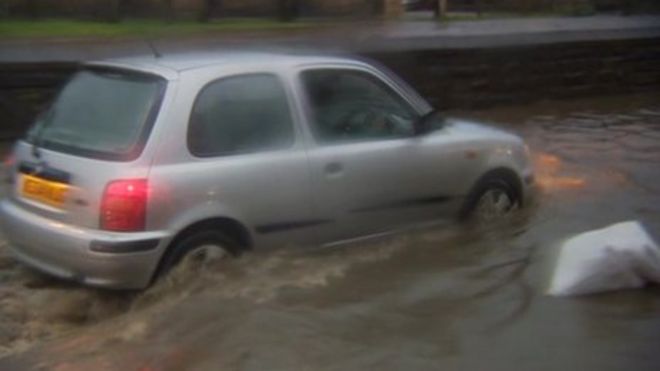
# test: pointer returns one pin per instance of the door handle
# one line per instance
(333, 168)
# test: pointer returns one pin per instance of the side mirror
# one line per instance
(427, 122)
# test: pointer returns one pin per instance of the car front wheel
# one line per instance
(492, 199)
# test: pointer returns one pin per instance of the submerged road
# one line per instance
(455, 298)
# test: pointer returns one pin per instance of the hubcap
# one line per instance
(494, 203)
(205, 254)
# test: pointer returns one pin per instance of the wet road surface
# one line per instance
(454, 298)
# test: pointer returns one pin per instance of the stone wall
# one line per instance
(477, 78)
(25, 90)
(449, 79)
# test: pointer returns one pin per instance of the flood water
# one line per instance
(459, 297)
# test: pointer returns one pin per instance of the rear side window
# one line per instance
(240, 114)
(101, 113)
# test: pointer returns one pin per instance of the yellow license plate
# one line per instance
(45, 191)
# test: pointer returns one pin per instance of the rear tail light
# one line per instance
(124, 205)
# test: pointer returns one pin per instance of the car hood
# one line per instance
(476, 130)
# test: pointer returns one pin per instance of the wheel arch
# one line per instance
(234, 229)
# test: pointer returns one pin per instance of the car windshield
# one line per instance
(101, 113)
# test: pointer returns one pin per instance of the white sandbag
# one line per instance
(616, 257)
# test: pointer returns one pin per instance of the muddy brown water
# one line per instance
(451, 298)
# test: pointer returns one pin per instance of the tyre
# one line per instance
(198, 250)
(491, 199)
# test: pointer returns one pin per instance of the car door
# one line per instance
(243, 158)
(364, 154)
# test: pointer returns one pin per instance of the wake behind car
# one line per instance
(141, 162)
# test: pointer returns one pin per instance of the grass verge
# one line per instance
(53, 28)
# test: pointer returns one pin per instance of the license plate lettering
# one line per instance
(45, 191)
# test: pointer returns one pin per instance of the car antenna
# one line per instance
(155, 51)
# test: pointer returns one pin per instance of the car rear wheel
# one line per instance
(198, 251)
(207, 253)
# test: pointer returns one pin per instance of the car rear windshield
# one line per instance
(101, 113)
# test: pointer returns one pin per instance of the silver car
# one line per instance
(141, 162)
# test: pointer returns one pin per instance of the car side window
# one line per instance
(351, 105)
(240, 114)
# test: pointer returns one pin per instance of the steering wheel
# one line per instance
(350, 122)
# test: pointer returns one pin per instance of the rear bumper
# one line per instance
(91, 257)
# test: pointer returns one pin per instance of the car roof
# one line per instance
(171, 65)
